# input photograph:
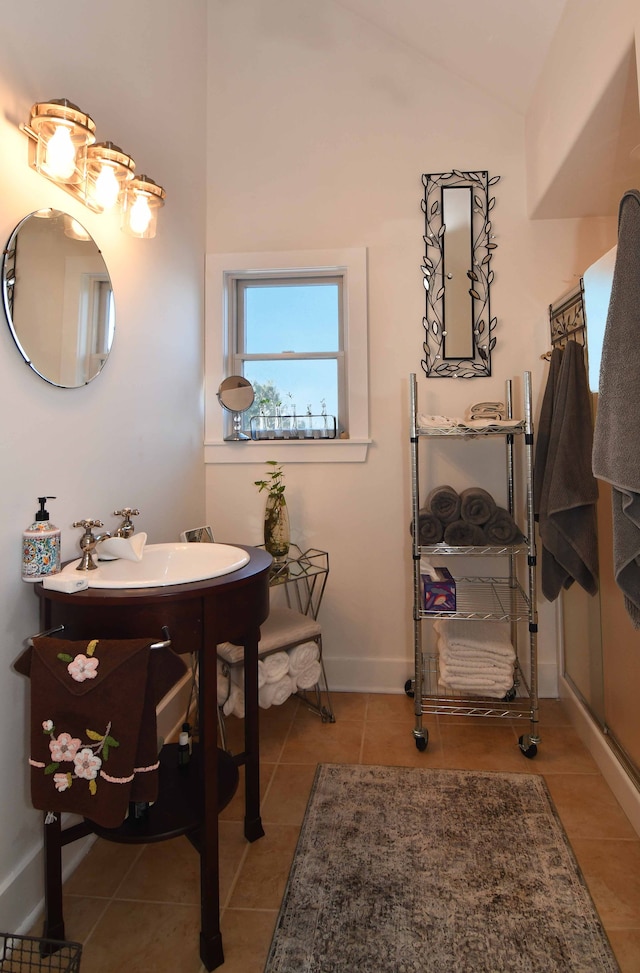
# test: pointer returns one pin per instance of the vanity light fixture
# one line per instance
(63, 147)
(142, 199)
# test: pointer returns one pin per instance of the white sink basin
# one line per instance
(164, 564)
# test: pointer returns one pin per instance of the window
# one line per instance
(295, 325)
(287, 336)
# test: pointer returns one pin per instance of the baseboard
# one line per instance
(351, 675)
(624, 790)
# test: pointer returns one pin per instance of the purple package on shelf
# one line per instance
(440, 595)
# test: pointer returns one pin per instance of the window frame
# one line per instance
(238, 354)
(222, 270)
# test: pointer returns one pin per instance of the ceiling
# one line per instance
(501, 46)
(497, 45)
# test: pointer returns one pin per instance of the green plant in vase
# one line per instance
(277, 538)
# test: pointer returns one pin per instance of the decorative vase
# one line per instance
(276, 528)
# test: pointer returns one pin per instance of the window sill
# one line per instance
(314, 451)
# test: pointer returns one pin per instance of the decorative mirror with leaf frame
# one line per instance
(457, 275)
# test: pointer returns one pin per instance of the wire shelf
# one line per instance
(486, 598)
(29, 954)
(487, 550)
(437, 699)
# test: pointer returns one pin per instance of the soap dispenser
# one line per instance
(40, 546)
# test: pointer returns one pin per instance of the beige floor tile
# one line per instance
(81, 915)
(349, 706)
(626, 945)
(393, 708)
(234, 811)
(263, 876)
(102, 870)
(561, 751)
(288, 795)
(232, 848)
(394, 744)
(587, 807)
(484, 748)
(166, 871)
(311, 742)
(138, 937)
(246, 937)
(612, 871)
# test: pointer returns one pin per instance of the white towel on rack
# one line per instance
(275, 666)
(308, 677)
(301, 656)
(482, 636)
(275, 693)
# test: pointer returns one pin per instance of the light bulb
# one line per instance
(140, 215)
(107, 188)
(60, 158)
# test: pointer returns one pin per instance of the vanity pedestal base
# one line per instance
(198, 617)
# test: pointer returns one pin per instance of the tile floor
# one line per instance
(135, 908)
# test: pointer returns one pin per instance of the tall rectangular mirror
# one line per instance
(456, 273)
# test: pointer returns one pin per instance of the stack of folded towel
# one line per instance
(475, 657)
(280, 674)
(467, 519)
(486, 410)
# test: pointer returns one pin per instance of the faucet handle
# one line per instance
(126, 512)
(88, 524)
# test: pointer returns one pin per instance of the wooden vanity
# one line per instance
(198, 616)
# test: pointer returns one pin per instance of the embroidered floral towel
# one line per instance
(93, 723)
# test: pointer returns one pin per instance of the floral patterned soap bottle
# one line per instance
(40, 546)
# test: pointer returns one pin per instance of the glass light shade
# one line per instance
(75, 230)
(62, 132)
(143, 199)
(108, 170)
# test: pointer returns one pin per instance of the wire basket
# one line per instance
(21, 954)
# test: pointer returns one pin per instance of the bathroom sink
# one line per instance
(165, 564)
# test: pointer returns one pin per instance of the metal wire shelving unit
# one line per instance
(504, 598)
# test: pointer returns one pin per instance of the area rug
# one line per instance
(403, 870)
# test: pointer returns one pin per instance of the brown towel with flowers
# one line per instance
(93, 723)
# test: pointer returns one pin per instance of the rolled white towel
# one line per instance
(275, 693)
(231, 652)
(301, 656)
(275, 666)
(308, 677)
(223, 684)
(262, 678)
(234, 706)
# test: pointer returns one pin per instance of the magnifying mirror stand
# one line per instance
(236, 432)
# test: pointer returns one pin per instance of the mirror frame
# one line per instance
(481, 325)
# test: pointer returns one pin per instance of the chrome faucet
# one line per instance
(126, 528)
(89, 542)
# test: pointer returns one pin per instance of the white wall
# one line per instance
(133, 436)
(319, 130)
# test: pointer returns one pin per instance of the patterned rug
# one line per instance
(435, 871)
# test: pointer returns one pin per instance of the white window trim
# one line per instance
(220, 270)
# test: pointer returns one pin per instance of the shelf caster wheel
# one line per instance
(421, 742)
(408, 688)
(528, 749)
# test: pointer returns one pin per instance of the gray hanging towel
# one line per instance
(569, 490)
(616, 447)
(543, 431)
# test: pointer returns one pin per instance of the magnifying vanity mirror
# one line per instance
(58, 298)
(236, 395)
(457, 274)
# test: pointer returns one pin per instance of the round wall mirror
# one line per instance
(236, 395)
(58, 298)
